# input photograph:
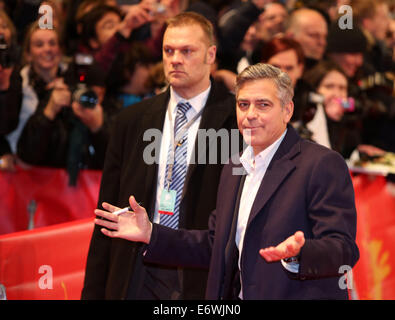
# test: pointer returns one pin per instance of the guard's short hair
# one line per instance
(188, 18)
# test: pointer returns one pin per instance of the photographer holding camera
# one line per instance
(336, 123)
(69, 127)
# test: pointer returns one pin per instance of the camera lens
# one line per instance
(86, 98)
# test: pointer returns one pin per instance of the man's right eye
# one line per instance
(242, 104)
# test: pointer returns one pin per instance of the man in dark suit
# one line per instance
(115, 269)
(284, 230)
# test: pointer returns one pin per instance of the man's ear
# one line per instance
(288, 110)
(211, 54)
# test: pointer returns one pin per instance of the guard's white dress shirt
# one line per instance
(198, 102)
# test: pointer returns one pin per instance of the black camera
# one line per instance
(84, 94)
(6, 60)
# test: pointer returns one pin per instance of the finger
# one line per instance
(57, 84)
(52, 84)
(138, 20)
(135, 206)
(109, 233)
(276, 254)
(146, 6)
(290, 251)
(106, 215)
(143, 15)
(264, 253)
(109, 207)
(107, 224)
(299, 237)
(270, 254)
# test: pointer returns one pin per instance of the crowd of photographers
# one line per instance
(65, 73)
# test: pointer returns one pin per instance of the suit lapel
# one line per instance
(214, 116)
(231, 253)
(154, 119)
(229, 249)
(278, 170)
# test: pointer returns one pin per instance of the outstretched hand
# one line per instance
(286, 249)
(132, 225)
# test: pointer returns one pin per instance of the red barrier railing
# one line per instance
(47, 263)
(42, 197)
(62, 248)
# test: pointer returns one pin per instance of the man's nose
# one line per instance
(177, 57)
(251, 112)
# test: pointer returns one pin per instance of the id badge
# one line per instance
(167, 202)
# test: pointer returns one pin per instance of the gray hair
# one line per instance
(266, 71)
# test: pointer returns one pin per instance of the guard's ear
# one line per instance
(211, 54)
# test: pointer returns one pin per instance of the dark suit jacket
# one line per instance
(306, 187)
(112, 263)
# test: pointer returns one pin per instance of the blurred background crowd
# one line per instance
(61, 87)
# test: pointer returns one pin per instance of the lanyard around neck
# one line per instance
(177, 141)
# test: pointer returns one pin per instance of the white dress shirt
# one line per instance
(198, 102)
(255, 166)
